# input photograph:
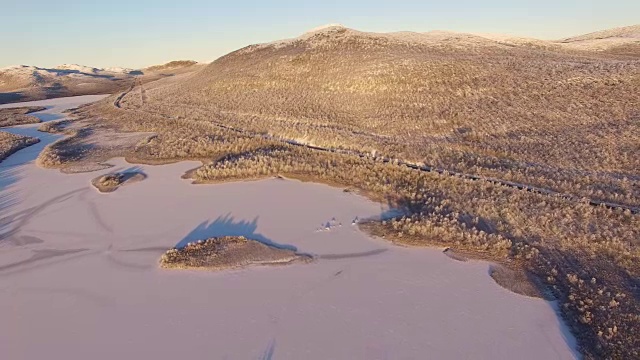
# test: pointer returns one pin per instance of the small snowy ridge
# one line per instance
(119, 70)
(69, 67)
(17, 67)
(325, 27)
(93, 70)
(79, 68)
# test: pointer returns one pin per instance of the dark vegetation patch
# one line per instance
(111, 182)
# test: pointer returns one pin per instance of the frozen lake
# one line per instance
(79, 275)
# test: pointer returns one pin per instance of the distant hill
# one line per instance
(172, 66)
(622, 41)
(627, 32)
(25, 83)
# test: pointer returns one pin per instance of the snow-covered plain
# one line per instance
(79, 277)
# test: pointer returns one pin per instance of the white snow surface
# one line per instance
(79, 276)
(118, 70)
(80, 68)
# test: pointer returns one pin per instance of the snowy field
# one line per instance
(79, 275)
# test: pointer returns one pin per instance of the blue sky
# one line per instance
(137, 33)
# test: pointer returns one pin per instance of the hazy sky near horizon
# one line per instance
(138, 33)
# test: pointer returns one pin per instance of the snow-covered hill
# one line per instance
(25, 82)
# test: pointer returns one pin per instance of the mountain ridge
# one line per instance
(27, 82)
(597, 41)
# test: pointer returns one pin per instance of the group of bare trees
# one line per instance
(10, 143)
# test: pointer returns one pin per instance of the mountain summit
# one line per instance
(327, 27)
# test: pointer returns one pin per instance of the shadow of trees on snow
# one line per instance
(227, 226)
